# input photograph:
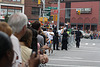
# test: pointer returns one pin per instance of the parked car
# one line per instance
(85, 35)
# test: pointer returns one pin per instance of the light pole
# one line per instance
(43, 9)
(58, 15)
(43, 6)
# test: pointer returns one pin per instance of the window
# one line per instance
(10, 12)
(35, 11)
(18, 11)
(18, 0)
(13, 0)
(35, 0)
(3, 12)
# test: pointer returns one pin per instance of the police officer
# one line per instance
(64, 40)
(55, 40)
(78, 36)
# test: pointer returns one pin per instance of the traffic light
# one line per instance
(56, 18)
(79, 12)
(41, 19)
(51, 18)
(39, 1)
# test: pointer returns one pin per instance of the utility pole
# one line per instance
(40, 13)
(58, 15)
(43, 6)
(43, 9)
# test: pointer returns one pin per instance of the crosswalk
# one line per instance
(88, 55)
(59, 65)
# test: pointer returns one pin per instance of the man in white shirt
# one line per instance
(18, 23)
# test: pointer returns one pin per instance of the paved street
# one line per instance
(88, 55)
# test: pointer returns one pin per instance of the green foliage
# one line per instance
(6, 18)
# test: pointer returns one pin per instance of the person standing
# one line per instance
(78, 36)
(55, 40)
(37, 26)
(64, 40)
(50, 39)
(18, 23)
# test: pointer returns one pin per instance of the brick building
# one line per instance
(32, 9)
(89, 19)
(62, 12)
(9, 7)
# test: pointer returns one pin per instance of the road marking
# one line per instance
(93, 44)
(91, 61)
(71, 57)
(59, 65)
(85, 51)
(86, 43)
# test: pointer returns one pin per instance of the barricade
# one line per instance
(71, 41)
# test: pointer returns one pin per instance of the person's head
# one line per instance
(78, 29)
(18, 23)
(27, 38)
(36, 25)
(4, 27)
(6, 50)
(50, 29)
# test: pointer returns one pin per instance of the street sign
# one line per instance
(44, 11)
(52, 8)
(55, 11)
(47, 17)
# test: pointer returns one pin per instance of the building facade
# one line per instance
(62, 13)
(89, 15)
(32, 9)
(88, 19)
(9, 7)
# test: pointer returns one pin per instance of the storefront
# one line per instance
(7, 9)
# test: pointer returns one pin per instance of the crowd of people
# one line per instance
(16, 42)
(23, 44)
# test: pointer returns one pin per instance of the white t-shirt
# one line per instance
(50, 36)
(17, 51)
(46, 32)
(59, 32)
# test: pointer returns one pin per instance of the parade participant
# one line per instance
(50, 37)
